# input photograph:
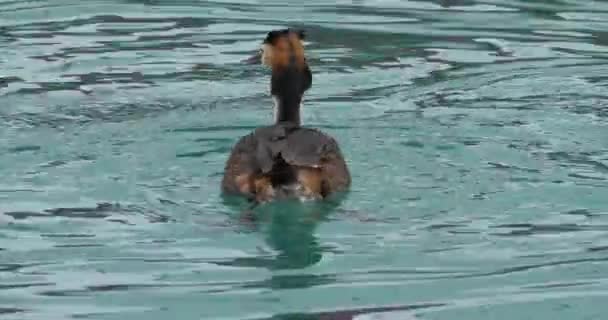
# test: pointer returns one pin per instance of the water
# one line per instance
(475, 131)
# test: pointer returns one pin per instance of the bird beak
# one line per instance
(254, 59)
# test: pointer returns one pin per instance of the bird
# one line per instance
(285, 160)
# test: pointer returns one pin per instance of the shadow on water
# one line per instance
(289, 228)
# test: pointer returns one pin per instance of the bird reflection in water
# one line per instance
(289, 228)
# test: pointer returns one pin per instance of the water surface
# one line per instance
(475, 132)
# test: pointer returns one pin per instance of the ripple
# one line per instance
(531, 229)
(6, 311)
(104, 211)
(201, 154)
(24, 149)
(355, 313)
(477, 151)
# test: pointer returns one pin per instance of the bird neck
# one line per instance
(287, 88)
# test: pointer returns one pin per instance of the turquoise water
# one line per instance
(476, 133)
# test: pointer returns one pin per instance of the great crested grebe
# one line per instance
(285, 160)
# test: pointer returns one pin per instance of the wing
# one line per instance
(304, 148)
(311, 148)
(240, 167)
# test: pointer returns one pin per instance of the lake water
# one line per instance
(476, 133)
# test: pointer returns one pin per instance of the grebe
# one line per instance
(285, 160)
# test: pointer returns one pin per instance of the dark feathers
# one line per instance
(295, 145)
(275, 34)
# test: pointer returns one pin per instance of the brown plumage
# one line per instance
(286, 160)
(281, 46)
